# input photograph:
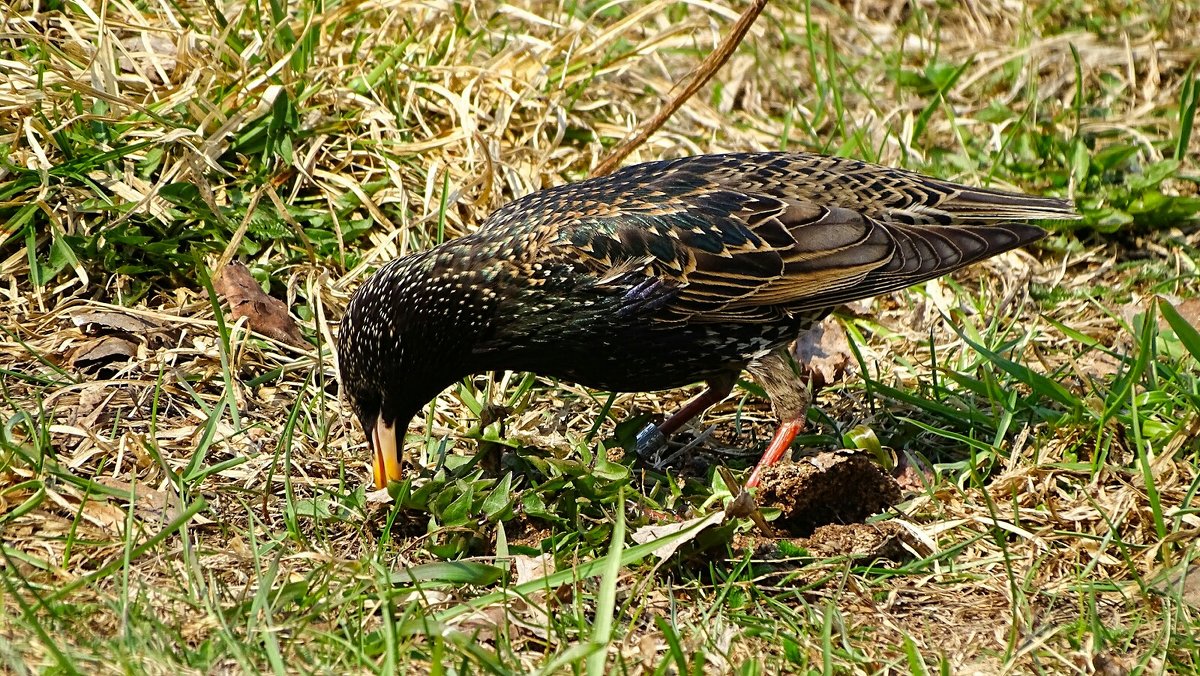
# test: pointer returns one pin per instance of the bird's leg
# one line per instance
(652, 437)
(785, 434)
(790, 395)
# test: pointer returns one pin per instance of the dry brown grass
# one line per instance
(215, 437)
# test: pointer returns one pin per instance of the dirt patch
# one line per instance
(868, 541)
(883, 540)
(839, 487)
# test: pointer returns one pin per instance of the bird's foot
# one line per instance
(650, 441)
(650, 445)
(658, 452)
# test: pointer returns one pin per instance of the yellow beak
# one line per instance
(387, 465)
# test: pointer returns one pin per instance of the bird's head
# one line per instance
(394, 355)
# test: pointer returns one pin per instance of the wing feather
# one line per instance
(757, 237)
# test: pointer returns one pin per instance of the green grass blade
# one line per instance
(607, 596)
(453, 572)
(1039, 383)
(1187, 333)
(1189, 97)
(198, 505)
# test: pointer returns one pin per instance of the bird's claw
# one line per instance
(652, 446)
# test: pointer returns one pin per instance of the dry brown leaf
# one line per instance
(265, 314)
(913, 474)
(824, 353)
(102, 351)
(96, 322)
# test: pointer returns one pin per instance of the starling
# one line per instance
(660, 275)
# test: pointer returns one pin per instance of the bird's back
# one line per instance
(721, 257)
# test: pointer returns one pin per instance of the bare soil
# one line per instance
(840, 488)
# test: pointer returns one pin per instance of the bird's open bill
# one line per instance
(387, 457)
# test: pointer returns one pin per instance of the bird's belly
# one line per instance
(642, 359)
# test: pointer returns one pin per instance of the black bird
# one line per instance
(660, 275)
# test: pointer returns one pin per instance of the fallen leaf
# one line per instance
(913, 474)
(651, 533)
(381, 496)
(824, 352)
(96, 322)
(528, 568)
(101, 352)
(149, 52)
(265, 314)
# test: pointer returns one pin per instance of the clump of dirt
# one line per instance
(871, 541)
(840, 487)
(884, 540)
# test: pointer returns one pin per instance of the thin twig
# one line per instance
(696, 80)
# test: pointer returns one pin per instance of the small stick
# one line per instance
(698, 77)
(743, 504)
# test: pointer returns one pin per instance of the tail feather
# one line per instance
(984, 204)
(918, 253)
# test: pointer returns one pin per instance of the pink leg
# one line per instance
(654, 437)
(784, 436)
(699, 404)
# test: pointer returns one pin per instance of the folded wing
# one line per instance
(755, 237)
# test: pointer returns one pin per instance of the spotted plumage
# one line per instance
(660, 275)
